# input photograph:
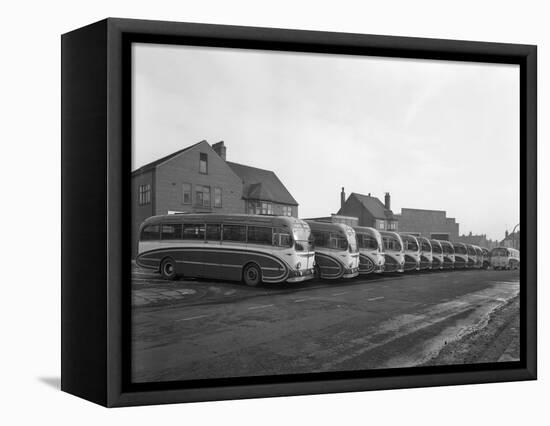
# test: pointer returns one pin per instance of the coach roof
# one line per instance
(222, 218)
(327, 226)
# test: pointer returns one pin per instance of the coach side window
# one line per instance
(192, 231)
(260, 235)
(213, 232)
(282, 238)
(171, 231)
(150, 233)
(235, 233)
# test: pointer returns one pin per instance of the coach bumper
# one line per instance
(299, 276)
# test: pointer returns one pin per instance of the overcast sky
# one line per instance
(435, 134)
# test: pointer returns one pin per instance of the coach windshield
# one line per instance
(302, 237)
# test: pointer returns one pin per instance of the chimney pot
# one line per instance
(387, 201)
(220, 149)
(342, 198)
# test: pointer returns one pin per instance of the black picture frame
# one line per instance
(96, 96)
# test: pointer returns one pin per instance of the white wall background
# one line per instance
(30, 181)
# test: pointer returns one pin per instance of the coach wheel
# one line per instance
(168, 269)
(252, 276)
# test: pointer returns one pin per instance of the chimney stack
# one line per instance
(220, 149)
(342, 198)
(387, 201)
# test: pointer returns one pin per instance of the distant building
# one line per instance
(369, 211)
(198, 179)
(480, 240)
(511, 240)
(334, 218)
(428, 223)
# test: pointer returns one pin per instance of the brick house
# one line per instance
(263, 192)
(369, 211)
(198, 179)
(428, 223)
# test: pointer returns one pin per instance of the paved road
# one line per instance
(187, 330)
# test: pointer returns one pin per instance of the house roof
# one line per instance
(155, 163)
(260, 184)
(374, 206)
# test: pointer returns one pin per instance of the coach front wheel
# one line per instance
(252, 275)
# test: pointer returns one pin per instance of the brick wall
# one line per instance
(427, 222)
(354, 208)
(185, 169)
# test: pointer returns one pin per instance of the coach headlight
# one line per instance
(298, 265)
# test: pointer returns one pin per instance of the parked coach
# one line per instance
(437, 254)
(486, 258)
(411, 249)
(426, 253)
(479, 257)
(336, 252)
(472, 257)
(448, 254)
(505, 258)
(461, 255)
(371, 255)
(254, 249)
(393, 252)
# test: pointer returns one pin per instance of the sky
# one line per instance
(437, 135)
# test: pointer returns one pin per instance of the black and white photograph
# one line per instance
(297, 213)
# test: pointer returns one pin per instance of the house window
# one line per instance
(253, 207)
(392, 226)
(287, 211)
(144, 194)
(260, 207)
(267, 208)
(186, 190)
(203, 163)
(202, 196)
(217, 197)
(381, 225)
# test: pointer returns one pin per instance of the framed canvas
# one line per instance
(254, 212)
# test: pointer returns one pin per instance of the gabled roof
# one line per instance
(374, 206)
(260, 184)
(155, 163)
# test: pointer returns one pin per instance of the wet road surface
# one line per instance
(190, 329)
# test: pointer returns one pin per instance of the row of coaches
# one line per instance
(275, 249)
